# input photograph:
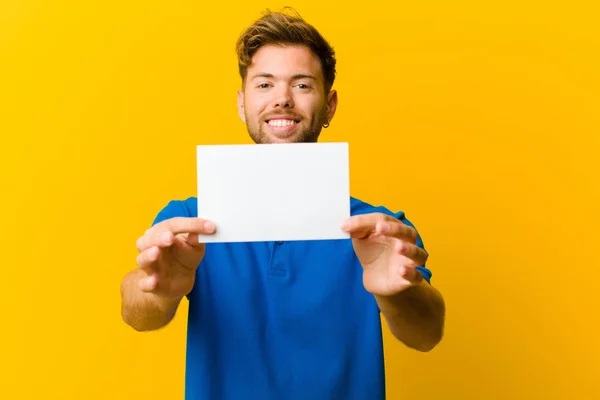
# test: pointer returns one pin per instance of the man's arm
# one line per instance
(170, 253)
(415, 315)
(144, 311)
(390, 254)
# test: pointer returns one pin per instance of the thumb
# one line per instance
(193, 239)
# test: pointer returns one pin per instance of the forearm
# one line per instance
(415, 316)
(144, 311)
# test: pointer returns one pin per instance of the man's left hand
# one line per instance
(387, 250)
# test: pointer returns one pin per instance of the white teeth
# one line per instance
(281, 122)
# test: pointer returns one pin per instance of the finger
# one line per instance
(148, 284)
(163, 233)
(410, 274)
(364, 225)
(154, 238)
(188, 225)
(147, 258)
(396, 229)
(415, 253)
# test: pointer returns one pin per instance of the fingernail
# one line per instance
(346, 224)
(385, 227)
(209, 226)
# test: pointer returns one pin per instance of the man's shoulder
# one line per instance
(178, 208)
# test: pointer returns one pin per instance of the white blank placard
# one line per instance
(274, 192)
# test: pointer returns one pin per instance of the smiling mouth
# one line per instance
(282, 122)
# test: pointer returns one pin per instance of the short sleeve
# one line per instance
(175, 208)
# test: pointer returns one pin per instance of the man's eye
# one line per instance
(303, 86)
(263, 86)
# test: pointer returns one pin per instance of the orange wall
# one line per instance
(480, 120)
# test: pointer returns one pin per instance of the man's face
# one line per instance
(284, 99)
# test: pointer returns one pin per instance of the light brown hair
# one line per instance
(285, 28)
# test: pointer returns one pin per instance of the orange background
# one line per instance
(478, 119)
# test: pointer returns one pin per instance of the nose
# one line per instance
(283, 98)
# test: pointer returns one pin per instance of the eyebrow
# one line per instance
(294, 77)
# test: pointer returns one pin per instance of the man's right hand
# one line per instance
(169, 255)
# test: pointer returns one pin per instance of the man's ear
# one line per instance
(332, 102)
(240, 101)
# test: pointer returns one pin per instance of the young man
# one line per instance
(286, 320)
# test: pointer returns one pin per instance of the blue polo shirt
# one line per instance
(283, 320)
